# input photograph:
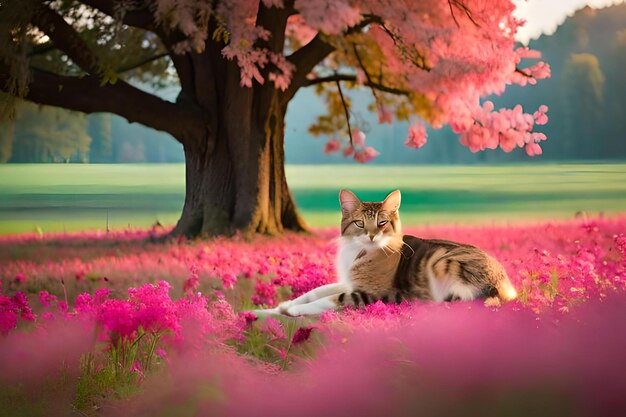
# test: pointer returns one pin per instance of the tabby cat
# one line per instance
(377, 262)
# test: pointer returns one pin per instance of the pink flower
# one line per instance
(8, 315)
(101, 295)
(540, 115)
(248, 316)
(358, 137)
(20, 302)
(332, 146)
(265, 293)
(533, 149)
(118, 319)
(45, 298)
(302, 335)
(161, 353)
(229, 280)
(365, 155)
(191, 284)
(384, 115)
(273, 326)
(620, 241)
(62, 306)
(417, 136)
(19, 278)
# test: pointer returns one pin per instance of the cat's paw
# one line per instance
(292, 311)
(284, 306)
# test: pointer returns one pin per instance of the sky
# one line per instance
(543, 16)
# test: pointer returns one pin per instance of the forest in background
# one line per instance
(585, 95)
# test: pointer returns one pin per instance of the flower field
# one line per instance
(121, 324)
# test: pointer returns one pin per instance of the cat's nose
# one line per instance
(372, 236)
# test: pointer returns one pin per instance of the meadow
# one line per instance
(122, 322)
(60, 197)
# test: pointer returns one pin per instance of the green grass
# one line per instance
(75, 197)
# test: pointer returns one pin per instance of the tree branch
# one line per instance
(65, 38)
(524, 73)
(85, 94)
(274, 19)
(311, 54)
(140, 18)
(345, 110)
(89, 94)
(40, 49)
(346, 77)
(141, 63)
(305, 59)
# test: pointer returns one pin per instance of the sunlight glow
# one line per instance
(543, 17)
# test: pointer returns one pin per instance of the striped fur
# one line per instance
(377, 262)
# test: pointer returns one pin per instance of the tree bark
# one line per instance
(240, 186)
(233, 136)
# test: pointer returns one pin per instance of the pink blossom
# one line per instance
(365, 155)
(248, 316)
(62, 307)
(265, 293)
(273, 326)
(332, 146)
(20, 304)
(620, 240)
(384, 115)
(417, 136)
(162, 353)
(229, 280)
(191, 284)
(358, 137)
(533, 149)
(302, 335)
(8, 315)
(45, 298)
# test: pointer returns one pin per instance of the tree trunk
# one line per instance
(240, 184)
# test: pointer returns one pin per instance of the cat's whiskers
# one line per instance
(384, 251)
(408, 246)
(392, 250)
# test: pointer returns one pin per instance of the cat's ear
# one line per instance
(349, 202)
(392, 202)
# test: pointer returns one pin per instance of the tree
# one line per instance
(99, 129)
(46, 134)
(6, 142)
(582, 85)
(240, 62)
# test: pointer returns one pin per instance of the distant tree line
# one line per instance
(50, 134)
(585, 95)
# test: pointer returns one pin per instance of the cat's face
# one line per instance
(370, 224)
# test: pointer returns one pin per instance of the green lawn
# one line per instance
(73, 197)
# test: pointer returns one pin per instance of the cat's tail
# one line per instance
(502, 291)
(506, 290)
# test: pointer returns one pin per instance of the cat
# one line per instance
(376, 261)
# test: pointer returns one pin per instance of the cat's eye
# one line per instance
(359, 224)
(382, 223)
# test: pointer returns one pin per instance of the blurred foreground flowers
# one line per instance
(110, 324)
